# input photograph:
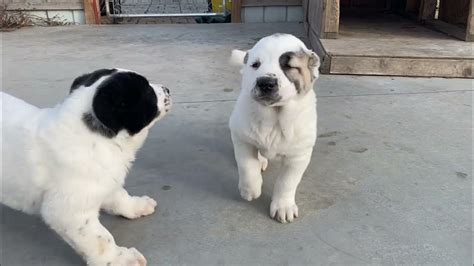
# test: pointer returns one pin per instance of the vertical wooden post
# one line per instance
(427, 10)
(331, 19)
(236, 11)
(92, 11)
(305, 4)
(470, 23)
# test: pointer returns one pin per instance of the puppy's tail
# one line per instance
(238, 58)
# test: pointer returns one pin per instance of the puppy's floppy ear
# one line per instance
(90, 78)
(125, 101)
(238, 57)
(313, 64)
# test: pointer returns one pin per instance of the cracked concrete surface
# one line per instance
(390, 180)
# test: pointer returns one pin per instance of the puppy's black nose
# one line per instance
(267, 84)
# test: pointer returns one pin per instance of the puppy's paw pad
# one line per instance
(284, 210)
(128, 257)
(249, 194)
(142, 206)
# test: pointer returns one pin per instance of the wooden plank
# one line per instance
(92, 11)
(393, 66)
(316, 16)
(251, 3)
(322, 17)
(305, 4)
(427, 10)
(46, 6)
(236, 13)
(470, 23)
(331, 19)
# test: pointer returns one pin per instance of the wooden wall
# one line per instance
(322, 18)
(454, 12)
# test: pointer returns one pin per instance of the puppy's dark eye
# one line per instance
(256, 64)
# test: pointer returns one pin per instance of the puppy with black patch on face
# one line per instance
(68, 162)
(275, 117)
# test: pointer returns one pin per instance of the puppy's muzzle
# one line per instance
(267, 85)
(266, 90)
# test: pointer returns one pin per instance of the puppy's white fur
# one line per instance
(56, 167)
(285, 129)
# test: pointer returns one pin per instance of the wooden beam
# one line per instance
(331, 19)
(92, 11)
(236, 15)
(250, 3)
(470, 23)
(305, 16)
(316, 17)
(427, 10)
(393, 66)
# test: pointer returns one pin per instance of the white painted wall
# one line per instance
(272, 14)
(68, 16)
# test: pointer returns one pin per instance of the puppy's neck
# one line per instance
(94, 125)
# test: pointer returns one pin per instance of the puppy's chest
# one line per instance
(273, 139)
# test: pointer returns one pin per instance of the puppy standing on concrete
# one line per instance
(275, 116)
(68, 162)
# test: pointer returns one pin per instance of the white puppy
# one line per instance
(275, 116)
(68, 162)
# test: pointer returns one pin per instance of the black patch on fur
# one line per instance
(125, 101)
(284, 61)
(90, 78)
(96, 126)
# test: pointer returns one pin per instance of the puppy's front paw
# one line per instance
(141, 206)
(250, 192)
(284, 210)
(128, 257)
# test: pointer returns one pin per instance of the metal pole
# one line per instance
(164, 15)
(107, 11)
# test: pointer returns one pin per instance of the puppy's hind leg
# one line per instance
(131, 207)
(76, 220)
(250, 167)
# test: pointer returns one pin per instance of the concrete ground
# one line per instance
(390, 181)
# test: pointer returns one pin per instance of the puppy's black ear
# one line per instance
(90, 78)
(125, 101)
